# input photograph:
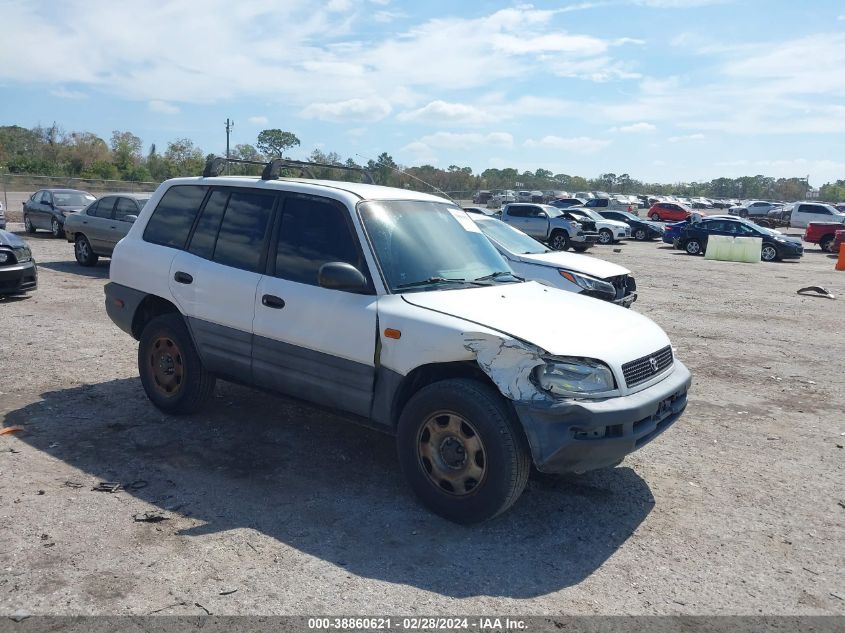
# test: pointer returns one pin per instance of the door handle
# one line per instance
(182, 278)
(272, 301)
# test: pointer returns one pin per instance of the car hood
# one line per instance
(551, 319)
(10, 239)
(612, 224)
(577, 263)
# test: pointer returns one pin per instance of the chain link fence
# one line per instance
(15, 189)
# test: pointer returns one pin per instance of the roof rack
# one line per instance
(216, 164)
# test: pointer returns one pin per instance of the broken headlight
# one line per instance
(574, 377)
(590, 284)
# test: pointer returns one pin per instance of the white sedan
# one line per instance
(575, 273)
(610, 231)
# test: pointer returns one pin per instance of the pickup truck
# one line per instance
(823, 234)
(551, 225)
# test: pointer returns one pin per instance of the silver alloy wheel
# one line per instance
(605, 236)
(83, 250)
(56, 228)
(769, 253)
(559, 242)
(639, 234)
(693, 247)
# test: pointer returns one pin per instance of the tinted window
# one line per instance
(104, 207)
(92, 209)
(124, 207)
(517, 212)
(173, 217)
(240, 241)
(205, 233)
(314, 231)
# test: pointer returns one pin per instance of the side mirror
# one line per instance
(342, 276)
(542, 214)
(130, 218)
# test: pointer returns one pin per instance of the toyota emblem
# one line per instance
(653, 362)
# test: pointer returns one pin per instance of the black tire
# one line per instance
(640, 235)
(559, 240)
(605, 236)
(506, 460)
(85, 255)
(826, 244)
(30, 227)
(655, 217)
(56, 228)
(693, 247)
(769, 253)
(188, 386)
(580, 248)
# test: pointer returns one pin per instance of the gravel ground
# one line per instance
(273, 507)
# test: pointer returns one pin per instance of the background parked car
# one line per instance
(586, 275)
(523, 196)
(481, 211)
(18, 273)
(47, 208)
(2, 217)
(563, 203)
(775, 245)
(96, 230)
(668, 211)
(641, 230)
(752, 208)
(600, 204)
(823, 234)
(610, 231)
(805, 212)
(551, 225)
(482, 197)
(672, 232)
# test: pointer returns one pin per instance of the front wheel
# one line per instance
(769, 253)
(693, 247)
(171, 370)
(56, 228)
(85, 255)
(30, 227)
(462, 451)
(605, 236)
(559, 241)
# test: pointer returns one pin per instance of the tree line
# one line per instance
(51, 151)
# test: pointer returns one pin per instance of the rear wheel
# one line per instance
(693, 247)
(640, 235)
(580, 248)
(605, 236)
(30, 227)
(769, 253)
(56, 228)
(462, 451)
(171, 370)
(559, 240)
(83, 251)
(826, 244)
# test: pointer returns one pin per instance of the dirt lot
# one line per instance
(738, 509)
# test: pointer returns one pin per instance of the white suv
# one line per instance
(392, 308)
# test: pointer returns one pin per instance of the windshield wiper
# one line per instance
(431, 281)
(497, 274)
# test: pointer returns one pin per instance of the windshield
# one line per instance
(628, 215)
(418, 240)
(509, 238)
(71, 199)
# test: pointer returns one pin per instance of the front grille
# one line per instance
(640, 370)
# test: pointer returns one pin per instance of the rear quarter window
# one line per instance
(174, 216)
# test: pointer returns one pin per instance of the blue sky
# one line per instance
(665, 90)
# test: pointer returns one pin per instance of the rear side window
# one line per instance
(103, 208)
(313, 232)
(240, 241)
(172, 219)
(205, 233)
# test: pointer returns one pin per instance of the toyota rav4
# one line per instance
(392, 308)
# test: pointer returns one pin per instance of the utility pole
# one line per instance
(229, 126)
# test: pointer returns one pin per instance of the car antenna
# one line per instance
(405, 173)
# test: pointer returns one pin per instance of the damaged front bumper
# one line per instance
(581, 435)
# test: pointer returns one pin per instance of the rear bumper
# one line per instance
(121, 304)
(577, 436)
(18, 278)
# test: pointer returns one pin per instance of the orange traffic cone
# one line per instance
(840, 263)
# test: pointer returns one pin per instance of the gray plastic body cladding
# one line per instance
(310, 375)
(577, 436)
(224, 350)
(122, 317)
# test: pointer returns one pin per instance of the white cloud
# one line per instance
(698, 136)
(677, 4)
(370, 109)
(383, 17)
(162, 107)
(452, 140)
(580, 144)
(64, 93)
(635, 128)
(258, 120)
(440, 112)
(339, 5)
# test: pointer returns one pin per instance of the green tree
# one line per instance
(274, 142)
(184, 158)
(126, 151)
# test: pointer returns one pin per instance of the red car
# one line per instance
(823, 233)
(668, 212)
